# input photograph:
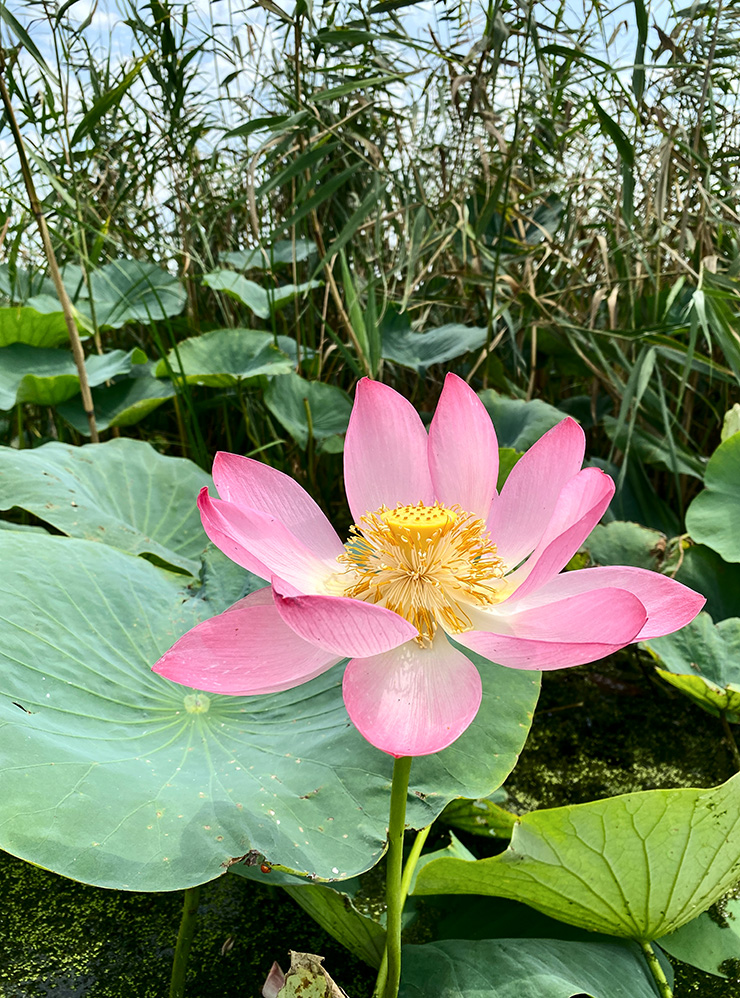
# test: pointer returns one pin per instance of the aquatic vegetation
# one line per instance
(404, 340)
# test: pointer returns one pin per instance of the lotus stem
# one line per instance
(184, 939)
(656, 969)
(389, 975)
(413, 859)
(408, 872)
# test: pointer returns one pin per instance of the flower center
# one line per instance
(426, 563)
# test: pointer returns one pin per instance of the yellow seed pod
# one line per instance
(412, 524)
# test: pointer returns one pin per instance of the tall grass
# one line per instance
(568, 183)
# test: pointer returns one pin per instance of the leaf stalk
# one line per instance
(184, 940)
(389, 975)
(656, 969)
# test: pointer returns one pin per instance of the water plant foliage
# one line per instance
(249, 211)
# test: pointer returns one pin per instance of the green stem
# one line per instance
(184, 939)
(408, 873)
(382, 976)
(656, 970)
(389, 975)
(412, 860)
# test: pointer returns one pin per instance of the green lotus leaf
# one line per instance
(18, 284)
(638, 866)
(731, 422)
(126, 402)
(27, 527)
(49, 377)
(713, 516)
(624, 543)
(518, 423)
(289, 347)
(36, 327)
(121, 493)
(485, 816)
(703, 570)
(115, 776)
(710, 942)
(526, 968)
(281, 252)
(714, 699)
(293, 401)
(224, 357)
(434, 346)
(455, 849)
(129, 291)
(703, 661)
(262, 301)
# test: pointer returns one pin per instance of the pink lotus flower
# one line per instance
(435, 553)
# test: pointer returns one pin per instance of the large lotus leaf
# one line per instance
(73, 278)
(115, 776)
(639, 865)
(224, 357)
(518, 423)
(49, 377)
(454, 849)
(713, 516)
(37, 327)
(476, 760)
(35, 374)
(731, 422)
(130, 291)
(485, 816)
(525, 968)
(435, 346)
(27, 527)
(703, 661)
(289, 347)
(703, 570)
(124, 403)
(624, 543)
(19, 284)
(263, 302)
(716, 700)
(281, 252)
(711, 942)
(293, 401)
(122, 493)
